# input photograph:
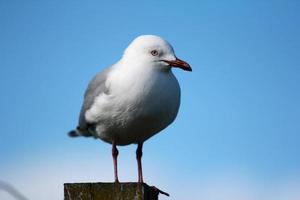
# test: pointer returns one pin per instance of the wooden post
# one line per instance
(109, 191)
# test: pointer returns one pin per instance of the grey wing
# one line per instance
(95, 87)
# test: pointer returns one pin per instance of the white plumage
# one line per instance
(135, 98)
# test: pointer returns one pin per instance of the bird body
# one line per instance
(135, 98)
(138, 105)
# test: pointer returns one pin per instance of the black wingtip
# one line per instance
(73, 133)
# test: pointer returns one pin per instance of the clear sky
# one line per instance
(237, 135)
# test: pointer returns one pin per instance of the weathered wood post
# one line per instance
(109, 191)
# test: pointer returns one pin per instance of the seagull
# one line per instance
(134, 99)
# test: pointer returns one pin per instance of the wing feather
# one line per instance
(94, 89)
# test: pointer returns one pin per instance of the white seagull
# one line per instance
(133, 99)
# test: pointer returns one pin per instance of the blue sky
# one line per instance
(239, 115)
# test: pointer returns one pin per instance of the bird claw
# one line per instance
(159, 191)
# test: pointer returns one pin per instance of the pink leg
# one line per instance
(115, 154)
(139, 154)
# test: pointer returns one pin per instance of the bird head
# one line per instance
(154, 49)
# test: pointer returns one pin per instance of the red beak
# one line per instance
(179, 63)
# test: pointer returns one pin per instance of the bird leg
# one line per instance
(115, 154)
(139, 154)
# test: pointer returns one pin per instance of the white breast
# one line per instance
(139, 105)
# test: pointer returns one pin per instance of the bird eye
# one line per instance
(154, 52)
